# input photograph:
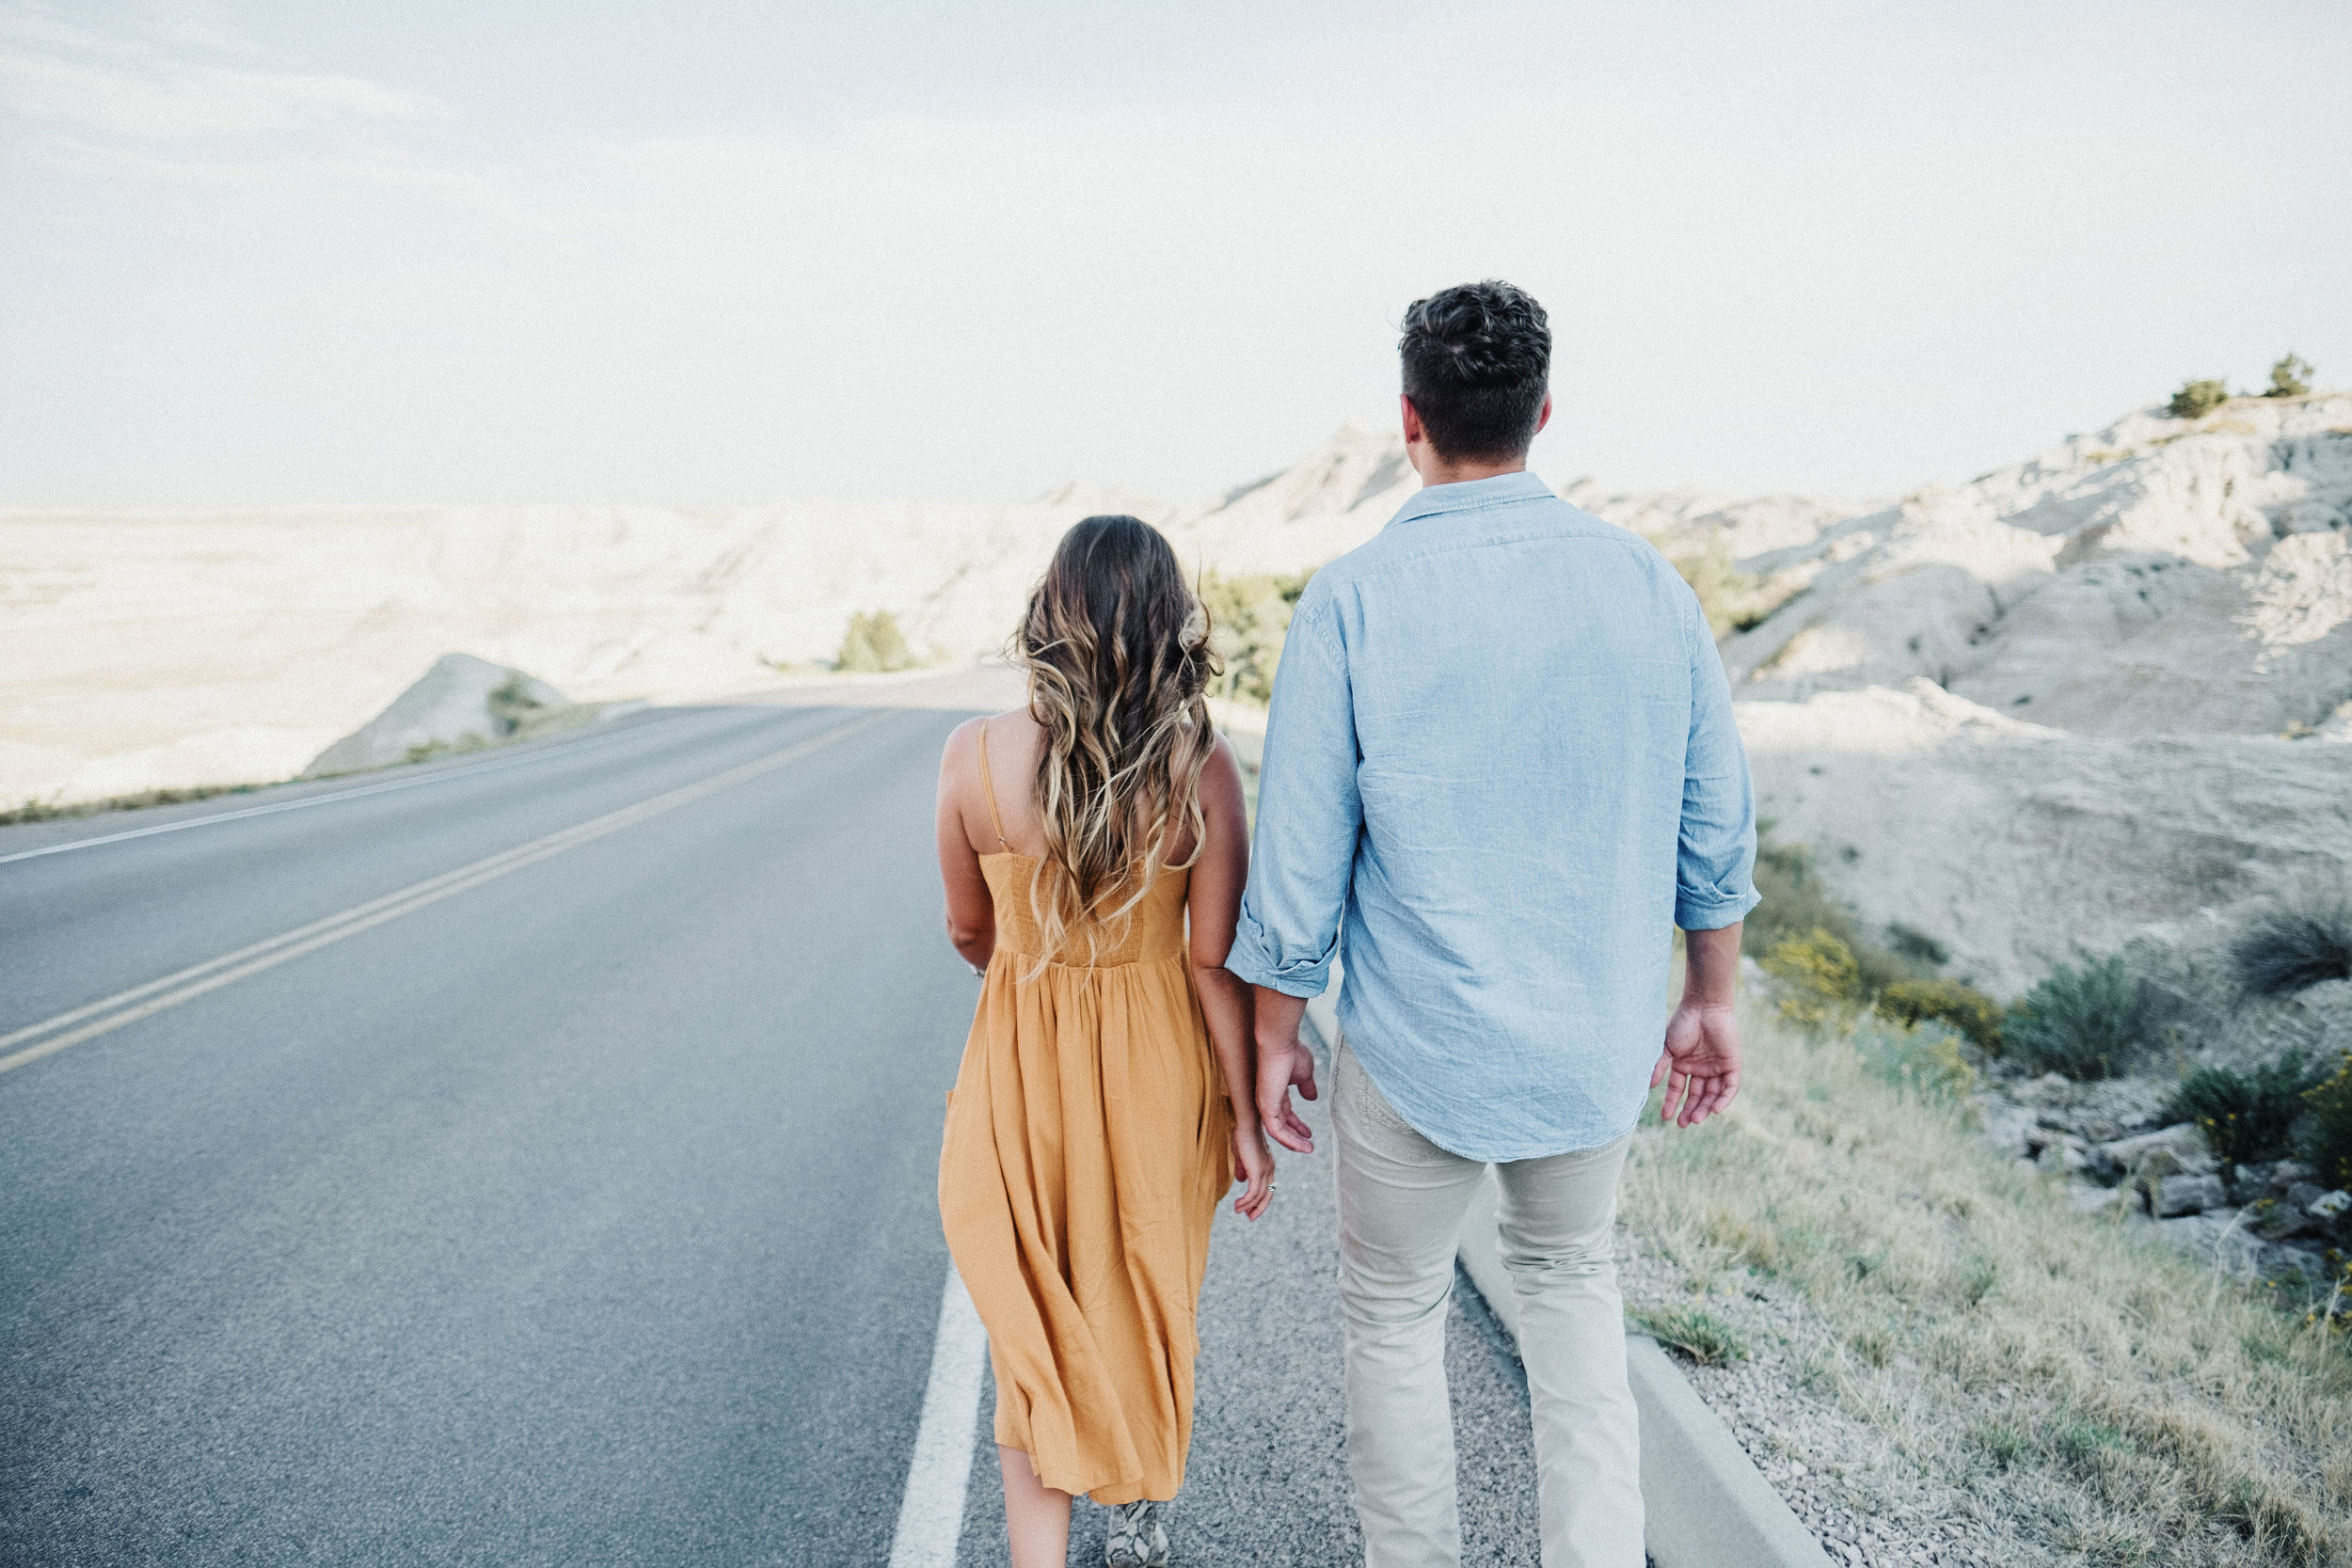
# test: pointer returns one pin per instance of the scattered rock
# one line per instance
(2286, 1172)
(2329, 1204)
(2063, 1155)
(2051, 1088)
(2182, 1142)
(2248, 1185)
(2188, 1195)
(2302, 1194)
(2278, 1221)
(2102, 1200)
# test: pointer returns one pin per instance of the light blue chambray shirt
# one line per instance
(1501, 762)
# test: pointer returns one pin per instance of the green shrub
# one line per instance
(2080, 1022)
(1821, 979)
(2196, 398)
(2245, 1117)
(1964, 1007)
(2328, 1141)
(874, 643)
(1248, 619)
(2297, 944)
(1701, 1336)
(2291, 377)
(1726, 597)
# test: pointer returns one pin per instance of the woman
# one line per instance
(1106, 1091)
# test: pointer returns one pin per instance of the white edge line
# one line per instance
(497, 765)
(930, 1513)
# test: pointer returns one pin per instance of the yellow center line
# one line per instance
(144, 1001)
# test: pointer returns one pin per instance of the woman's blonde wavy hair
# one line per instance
(1117, 650)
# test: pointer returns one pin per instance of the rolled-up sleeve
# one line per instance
(1309, 815)
(1715, 862)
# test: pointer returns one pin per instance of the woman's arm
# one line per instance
(1212, 904)
(971, 913)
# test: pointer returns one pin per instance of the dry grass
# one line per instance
(45, 810)
(2110, 1399)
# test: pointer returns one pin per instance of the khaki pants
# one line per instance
(1401, 1200)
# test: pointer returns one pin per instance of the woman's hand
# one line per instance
(1253, 1163)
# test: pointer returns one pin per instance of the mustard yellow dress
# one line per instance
(1088, 1141)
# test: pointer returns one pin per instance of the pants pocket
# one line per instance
(1365, 1099)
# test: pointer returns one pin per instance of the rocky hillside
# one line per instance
(2095, 697)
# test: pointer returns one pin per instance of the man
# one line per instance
(1501, 764)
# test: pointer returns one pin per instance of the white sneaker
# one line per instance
(1137, 1539)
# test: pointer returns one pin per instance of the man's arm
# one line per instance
(1700, 1066)
(1309, 817)
(1714, 889)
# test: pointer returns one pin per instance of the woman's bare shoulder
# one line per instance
(1224, 764)
(1013, 725)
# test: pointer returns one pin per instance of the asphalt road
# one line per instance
(581, 1215)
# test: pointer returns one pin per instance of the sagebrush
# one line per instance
(2082, 1022)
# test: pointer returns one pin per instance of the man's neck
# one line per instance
(1436, 469)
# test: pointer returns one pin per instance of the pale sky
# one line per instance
(506, 251)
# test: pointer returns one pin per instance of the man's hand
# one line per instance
(1700, 1066)
(1282, 1065)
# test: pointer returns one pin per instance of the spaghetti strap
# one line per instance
(989, 785)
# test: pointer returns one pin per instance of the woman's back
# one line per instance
(1021, 885)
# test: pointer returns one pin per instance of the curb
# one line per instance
(1706, 1504)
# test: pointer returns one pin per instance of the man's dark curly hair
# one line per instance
(1477, 364)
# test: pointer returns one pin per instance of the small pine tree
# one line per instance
(2197, 399)
(2291, 377)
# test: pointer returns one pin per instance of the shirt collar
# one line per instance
(1473, 494)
